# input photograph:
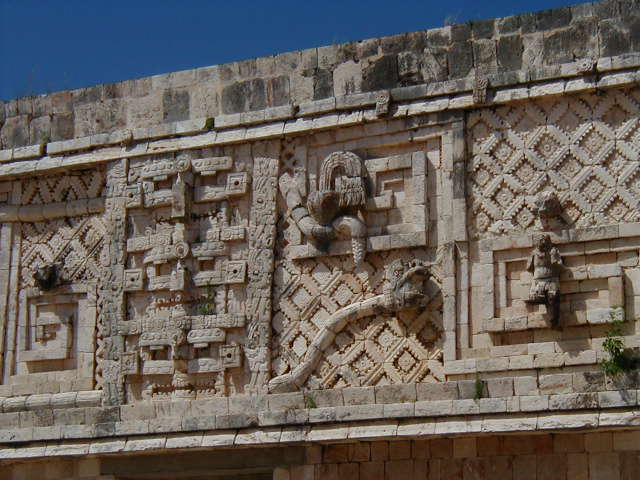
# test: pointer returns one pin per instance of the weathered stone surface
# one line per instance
(375, 245)
(244, 96)
(509, 52)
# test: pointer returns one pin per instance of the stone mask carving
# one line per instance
(406, 285)
(333, 207)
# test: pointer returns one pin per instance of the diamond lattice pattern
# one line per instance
(376, 350)
(584, 148)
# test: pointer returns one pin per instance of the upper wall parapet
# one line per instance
(514, 50)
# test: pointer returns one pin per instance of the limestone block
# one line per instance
(500, 387)
(433, 408)
(604, 465)
(492, 405)
(359, 412)
(198, 423)
(358, 396)
(617, 398)
(132, 427)
(398, 410)
(286, 401)
(324, 398)
(147, 443)
(509, 424)
(327, 432)
(322, 414)
(555, 383)
(465, 407)
(284, 417)
(554, 421)
(573, 401)
(395, 393)
(525, 385)
(534, 403)
(437, 391)
(219, 438)
(625, 441)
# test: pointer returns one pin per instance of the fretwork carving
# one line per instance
(186, 275)
(61, 238)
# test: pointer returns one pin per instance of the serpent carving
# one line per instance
(333, 208)
(406, 289)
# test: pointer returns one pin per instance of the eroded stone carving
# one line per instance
(406, 289)
(545, 263)
(383, 102)
(405, 285)
(549, 210)
(58, 245)
(188, 283)
(263, 218)
(47, 277)
(480, 87)
(333, 208)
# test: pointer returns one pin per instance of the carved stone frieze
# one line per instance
(59, 242)
(406, 289)
(549, 210)
(47, 276)
(322, 261)
(582, 149)
(480, 87)
(334, 206)
(262, 234)
(185, 284)
(383, 102)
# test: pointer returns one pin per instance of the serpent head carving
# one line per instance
(406, 285)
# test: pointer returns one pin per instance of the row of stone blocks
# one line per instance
(251, 412)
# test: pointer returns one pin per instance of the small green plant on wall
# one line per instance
(479, 388)
(621, 359)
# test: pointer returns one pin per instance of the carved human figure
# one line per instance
(545, 263)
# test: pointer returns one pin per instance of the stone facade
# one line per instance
(411, 257)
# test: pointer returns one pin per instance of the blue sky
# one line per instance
(51, 45)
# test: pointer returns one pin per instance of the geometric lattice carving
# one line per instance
(404, 348)
(389, 348)
(76, 241)
(63, 187)
(584, 148)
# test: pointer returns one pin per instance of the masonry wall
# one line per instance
(402, 257)
(568, 456)
(440, 59)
